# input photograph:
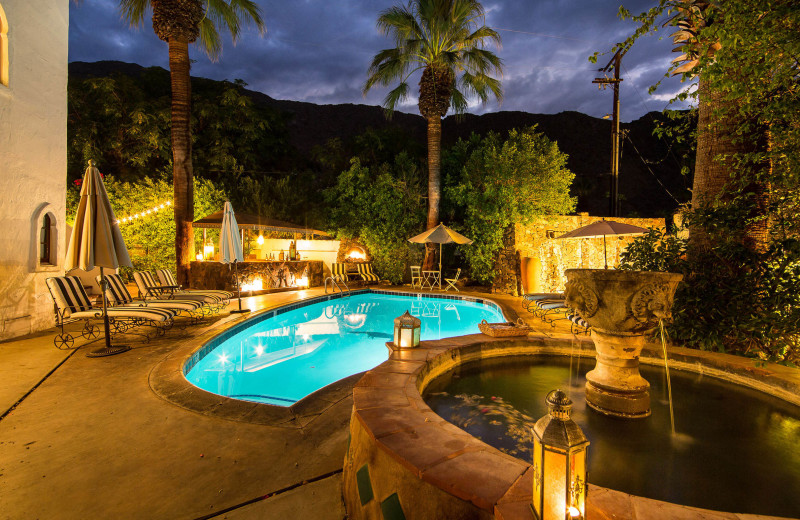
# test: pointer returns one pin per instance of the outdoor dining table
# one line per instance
(431, 279)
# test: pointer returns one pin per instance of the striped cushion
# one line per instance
(543, 296)
(546, 305)
(166, 278)
(365, 270)
(144, 313)
(180, 305)
(339, 269)
(116, 292)
(144, 281)
(577, 320)
(69, 294)
(165, 275)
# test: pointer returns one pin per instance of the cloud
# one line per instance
(319, 52)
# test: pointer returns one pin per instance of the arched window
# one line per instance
(45, 240)
(3, 47)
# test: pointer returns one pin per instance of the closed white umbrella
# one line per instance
(441, 234)
(230, 247)
(96, 241)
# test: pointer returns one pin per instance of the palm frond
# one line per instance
(458, 102)
(210, 41)
(133, 11)
(394, 96)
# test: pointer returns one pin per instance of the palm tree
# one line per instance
(179, 23)
(719, 128)
(443, 38)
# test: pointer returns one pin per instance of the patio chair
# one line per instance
(71, 302)
(151, 289)
(416, 276)
(451, 282)
(578, 325)
(119, 296)
(166, 278)
(366, 273)
(534, 297)
(340, 272)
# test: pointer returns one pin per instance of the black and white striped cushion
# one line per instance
(69, 294)
(166, 277)
(116, 292)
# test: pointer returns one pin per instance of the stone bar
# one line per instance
(273, 274)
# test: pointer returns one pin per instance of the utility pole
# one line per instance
(615, 63)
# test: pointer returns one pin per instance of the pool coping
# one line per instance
(402, 441)
(167, 379)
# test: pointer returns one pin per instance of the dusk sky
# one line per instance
(318, 51)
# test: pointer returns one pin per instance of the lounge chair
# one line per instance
(151, 289)
(577, 324)
(416, 276)
(166, 278)
(119, 296)
(72, 303)
(366, 273)
(340, 272)
(451, 282)
(534, 297)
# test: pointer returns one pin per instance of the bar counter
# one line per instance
(272, 273)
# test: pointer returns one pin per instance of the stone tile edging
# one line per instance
(399, 438)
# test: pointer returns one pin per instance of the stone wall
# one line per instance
(33, 148)
(534, 260)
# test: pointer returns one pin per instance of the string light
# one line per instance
(145, 213)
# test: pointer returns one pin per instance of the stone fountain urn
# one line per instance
(621, 307)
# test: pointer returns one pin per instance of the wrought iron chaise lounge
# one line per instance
(72, 303)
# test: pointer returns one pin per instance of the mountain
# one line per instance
(650, 178)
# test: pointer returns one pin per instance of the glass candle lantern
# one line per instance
(208, 250)
(406, 331)
(559, 463)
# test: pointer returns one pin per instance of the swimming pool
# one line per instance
(284, 355)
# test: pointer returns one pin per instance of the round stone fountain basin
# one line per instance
(402, 455)
(734, 448)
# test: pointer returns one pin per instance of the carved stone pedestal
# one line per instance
(621, 307)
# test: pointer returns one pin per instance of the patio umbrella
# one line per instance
(97, 242)
(230, 248)
(441, 234)
(603, 228)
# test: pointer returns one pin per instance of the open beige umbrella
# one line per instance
(603, 228)
(97, 242)
(441, 234)
(230, 248)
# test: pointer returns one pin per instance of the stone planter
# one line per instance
(621, 307)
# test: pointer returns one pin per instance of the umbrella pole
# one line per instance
(605, 252)
(108, 350)
(238, 288)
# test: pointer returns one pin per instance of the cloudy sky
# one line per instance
(319, 50)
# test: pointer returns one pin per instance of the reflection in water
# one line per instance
(282, 359)
(735, 449)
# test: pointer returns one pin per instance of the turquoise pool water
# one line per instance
(296, 351)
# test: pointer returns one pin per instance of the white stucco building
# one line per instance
(33, 159)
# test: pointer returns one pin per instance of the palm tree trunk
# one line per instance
(182, 173)
(716, 140)
(434, 181)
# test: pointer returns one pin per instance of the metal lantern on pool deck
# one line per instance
(406, 331)
(559, 463)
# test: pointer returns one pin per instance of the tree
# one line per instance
(179, 23)
(502, 183)
(443, 38)
(743, 57)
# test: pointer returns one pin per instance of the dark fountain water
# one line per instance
(735, 449)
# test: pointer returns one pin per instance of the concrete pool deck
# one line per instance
(90, 438)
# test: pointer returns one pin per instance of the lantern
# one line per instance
(559, 463)
(406, 331)
(208, 250)
(199, 257)
(260, 239)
